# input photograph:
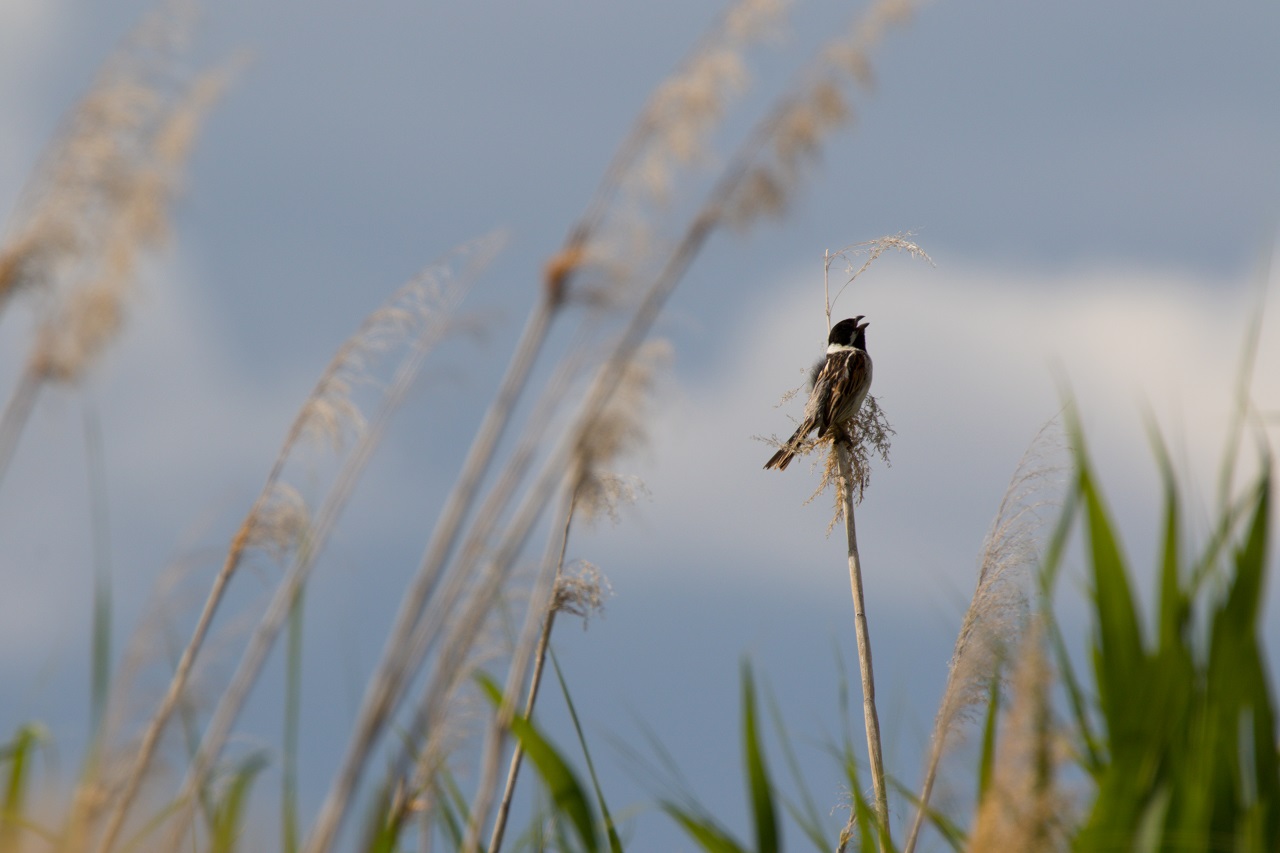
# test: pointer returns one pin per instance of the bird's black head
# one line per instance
(849, 333)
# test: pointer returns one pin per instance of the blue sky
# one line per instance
(1096, 184)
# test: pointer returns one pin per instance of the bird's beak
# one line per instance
(856, 319)
(862, 326)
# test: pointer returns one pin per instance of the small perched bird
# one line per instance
(840, 385)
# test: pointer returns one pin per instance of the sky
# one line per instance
(1097, 188)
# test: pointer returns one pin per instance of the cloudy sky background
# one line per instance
(1097, 186)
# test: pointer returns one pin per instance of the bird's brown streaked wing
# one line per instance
(855, 365)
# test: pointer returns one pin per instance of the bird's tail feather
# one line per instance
(787, 452)
(781, 459)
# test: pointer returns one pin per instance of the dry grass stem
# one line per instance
(403, 657)
(997, 612)
(618, 429)
(439, 288)
(869, 251)
(539, 622)
(423, 613)
(279, 516)
(870, 716)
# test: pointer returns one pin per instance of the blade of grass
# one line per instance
(19, 753)
(615, 843)
(759, 788)
(230, 813)
(704, 831)
(100, 678)
(805, 812)
(566, 792)
(292, 720)
(987, 756)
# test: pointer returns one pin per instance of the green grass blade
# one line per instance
(1175, 605)
(1119, 652)
(19, 753)
(382, 828)
(1050, 566)
(292, 720)
(229, 813)
(100, 677)
(615, 842)
(759, 788)
(805, 812)
(454, 815)
(560, 781)
(987, 756)
(950, 831)
(703, 830)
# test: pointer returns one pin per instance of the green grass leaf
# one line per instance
(229, 812)
(615, 843)
(560, 781)
(703, 830)
(759, 788)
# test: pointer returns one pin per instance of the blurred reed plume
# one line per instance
(996, 616)
(99, 199)
(1023, 807)
(414, 319)
(102, 198)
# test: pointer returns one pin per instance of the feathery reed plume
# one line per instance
(100, 199)
(1023, 808)
(793, 134)
(417, 317)
(615, 200)
(415, 630)
(869, 251)
(997, 612)
(670, 138)
(868, 434)
(278, 519)
(619, 429)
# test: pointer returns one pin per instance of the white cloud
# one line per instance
(966, 364)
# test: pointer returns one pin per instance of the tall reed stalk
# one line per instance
(870, 717)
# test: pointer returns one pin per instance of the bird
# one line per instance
(840, 384)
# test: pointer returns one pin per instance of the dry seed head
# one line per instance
(279, 523)
(100, 199)
(581, 591)
(997, 612)
(620, 427)
(761, 193)
(754, 19)
(798, 135)
(796, 131)
(87, 322)
(605, 493)
(99, 171)
(331, 415)
(867, 434)
(674, 127)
